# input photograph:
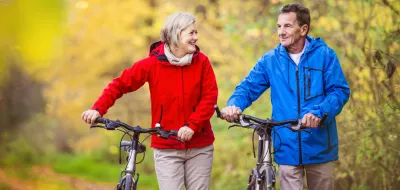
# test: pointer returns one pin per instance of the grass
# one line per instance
(91, 169)
(87, 168)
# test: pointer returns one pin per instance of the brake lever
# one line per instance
(298, 127)
(306, 130)
(235, 125)
(97, 126)
(178, 139)
(243, 122)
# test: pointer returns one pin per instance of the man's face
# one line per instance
(289, 30)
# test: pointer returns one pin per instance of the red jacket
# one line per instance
(184, 95)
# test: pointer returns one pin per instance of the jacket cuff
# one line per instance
(191, 126)
(102, 112)
(317, 112)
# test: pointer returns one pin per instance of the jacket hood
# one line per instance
(314, 43)
(157, 50)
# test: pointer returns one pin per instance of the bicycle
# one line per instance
(127, 180)
(262, 177)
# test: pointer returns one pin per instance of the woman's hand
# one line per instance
(185, 133)
(90, 116)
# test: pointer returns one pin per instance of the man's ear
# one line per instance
(304, 29)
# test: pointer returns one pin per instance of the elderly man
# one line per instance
(306, 82)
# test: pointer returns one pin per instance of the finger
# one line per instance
(94, 117)
(229, 112)
(223, 113)
(304, 121)
(82, 115)
(184, 136)
(87, 117)
(235, 113)
(190, 136)
(180, 134)
(316, 121)
(309, 120)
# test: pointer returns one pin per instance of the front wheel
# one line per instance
(126, 183)
(253, 185)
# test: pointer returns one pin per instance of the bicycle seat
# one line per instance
(127, 145)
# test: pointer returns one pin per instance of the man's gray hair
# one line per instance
(174, 25)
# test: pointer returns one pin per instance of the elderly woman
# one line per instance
(183, 89)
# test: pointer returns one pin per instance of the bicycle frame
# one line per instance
(130, 169)
(264, 162)
(127, 180)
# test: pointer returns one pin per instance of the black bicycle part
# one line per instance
(126, 181)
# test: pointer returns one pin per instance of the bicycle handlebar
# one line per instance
(248, 121)
(112, 125)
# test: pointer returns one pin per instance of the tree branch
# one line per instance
(385, 2)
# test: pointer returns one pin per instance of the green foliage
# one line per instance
(4, 186)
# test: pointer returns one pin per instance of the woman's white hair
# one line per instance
(174, 25)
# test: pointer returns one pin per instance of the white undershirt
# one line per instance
(296, 56)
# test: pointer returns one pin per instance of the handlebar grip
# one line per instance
(100, 120)
(218, 111)
(173, 132)
(321, 123)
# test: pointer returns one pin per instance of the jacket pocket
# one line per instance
(313, 83)
(328, 128)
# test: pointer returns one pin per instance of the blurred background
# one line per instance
(56, 56)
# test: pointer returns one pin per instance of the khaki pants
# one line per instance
(191, 167)
(319, 176)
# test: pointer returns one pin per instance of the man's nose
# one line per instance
(281, 32)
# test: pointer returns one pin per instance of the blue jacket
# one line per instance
(317, 85)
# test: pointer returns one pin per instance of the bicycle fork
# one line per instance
(128, 180)
(265, 172)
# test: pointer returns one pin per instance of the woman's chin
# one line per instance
(191, 51)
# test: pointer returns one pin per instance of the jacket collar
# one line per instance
(314, 43)
(157, 49)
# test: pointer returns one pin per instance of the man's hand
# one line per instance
(90, 116)
(231, 113)
(185, 133)
(310, 120)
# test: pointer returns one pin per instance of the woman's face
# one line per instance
(188, 38)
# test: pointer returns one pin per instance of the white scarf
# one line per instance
(185, 60)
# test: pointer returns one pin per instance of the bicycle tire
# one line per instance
(121, 185)
(128, 183)
(252, 185)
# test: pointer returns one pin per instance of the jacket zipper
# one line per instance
(183, 98)
(298, 112)
(309, 85)
(329, 136)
